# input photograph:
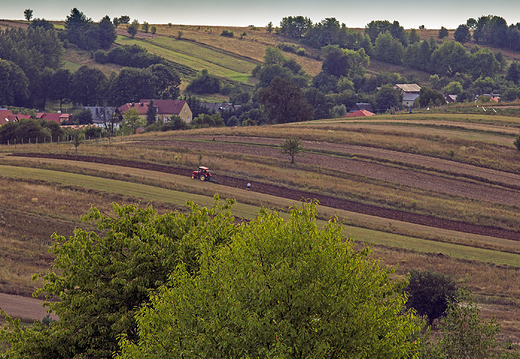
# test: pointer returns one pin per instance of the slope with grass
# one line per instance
(446, 168)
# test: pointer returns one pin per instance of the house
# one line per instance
(55, 117)
(360, 113)
(362, 106)
(164, 109)
(410, 93)
(450, 98)
(7, 116)
(102, 115)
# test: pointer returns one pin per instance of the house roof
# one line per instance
(4, 116)
(142, 108)
(360, 113)
(55, 117)
(450, 98)
(408, 88)
(166, 107)
(410, 97)
(362, 106)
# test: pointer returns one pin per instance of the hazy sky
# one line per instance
(410, 14)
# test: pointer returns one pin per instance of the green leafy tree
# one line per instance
(344, 62)
(449, 59)
(510, 94)
(269, 27)
(204, 83)
(443, 32)
(413, 37)
(14, 84)
(133, 28)
(132, 121)
(77, 137)
(145, 26)
(61, 86)
(388, 49)
(102, 279)
(77, 25)
(484, 63)
(153, 30)
(513, 72)
(125, 19)
(295, 26)
(88, 86)
(273, 55)
(278, 289)
(28, 14)
(284, 102)
(453, 88)
(464, 335)
(151, 114)
(429, 293)
(462, 34)
(388, 97)
(292, 146)
(429, 97)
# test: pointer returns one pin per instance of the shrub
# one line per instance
(301, 52)
(227, 33)
(517, 143)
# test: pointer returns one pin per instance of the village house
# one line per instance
(7, 116)
(410, 93)
(55, 117)
(164, 109)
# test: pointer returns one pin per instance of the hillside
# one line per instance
(429, 191)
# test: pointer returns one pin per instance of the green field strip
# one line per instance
(151, 193)
(222, 68)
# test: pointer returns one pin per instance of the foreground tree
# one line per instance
(279, 289)
(100, 281)
(132, 121)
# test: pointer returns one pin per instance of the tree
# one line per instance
(204, 83)
(388, 97)
(413, 37)
(295, 26)
(28, 14)
(125, 19)
(82, 117)
(429, 293)
(60, 86)
(151, 114)
(145, 26)
(453, 88)
(292, 146)
(132, 121)
(113, 273)
(443, 32)
(464, 334)
(273, 56)
(429, 97)
(513, 72)
(462, 34)
(388, 49)
(133, 28)
(484, 63)
(449, 59)
(88, 86)
(278, 289)
(77, 137)
(269, 27)
(344, 62)
(284, 102)
(153, 30)
(77, 25)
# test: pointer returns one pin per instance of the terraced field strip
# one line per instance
(242, 210)
(197, 57)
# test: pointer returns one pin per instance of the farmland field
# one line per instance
(428, 191)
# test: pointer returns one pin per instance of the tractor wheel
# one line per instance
(202, 178)
(192, 177)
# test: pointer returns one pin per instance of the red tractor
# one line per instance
(203, 173)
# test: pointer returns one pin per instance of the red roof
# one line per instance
(4, 116)
(166, 107)
(55, 117)
(142, 108)
(360, 113)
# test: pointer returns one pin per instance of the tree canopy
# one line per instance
(278, 289)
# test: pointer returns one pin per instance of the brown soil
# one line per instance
(329, 201)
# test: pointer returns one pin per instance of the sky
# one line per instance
(409, 13)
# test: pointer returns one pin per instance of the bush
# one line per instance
(227, 33)
(517, 143)
(301, 52)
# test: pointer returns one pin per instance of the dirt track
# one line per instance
(329, 201)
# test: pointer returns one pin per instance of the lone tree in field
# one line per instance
(28, 14)
(292, 146)
(429, 293)
(77, 138)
